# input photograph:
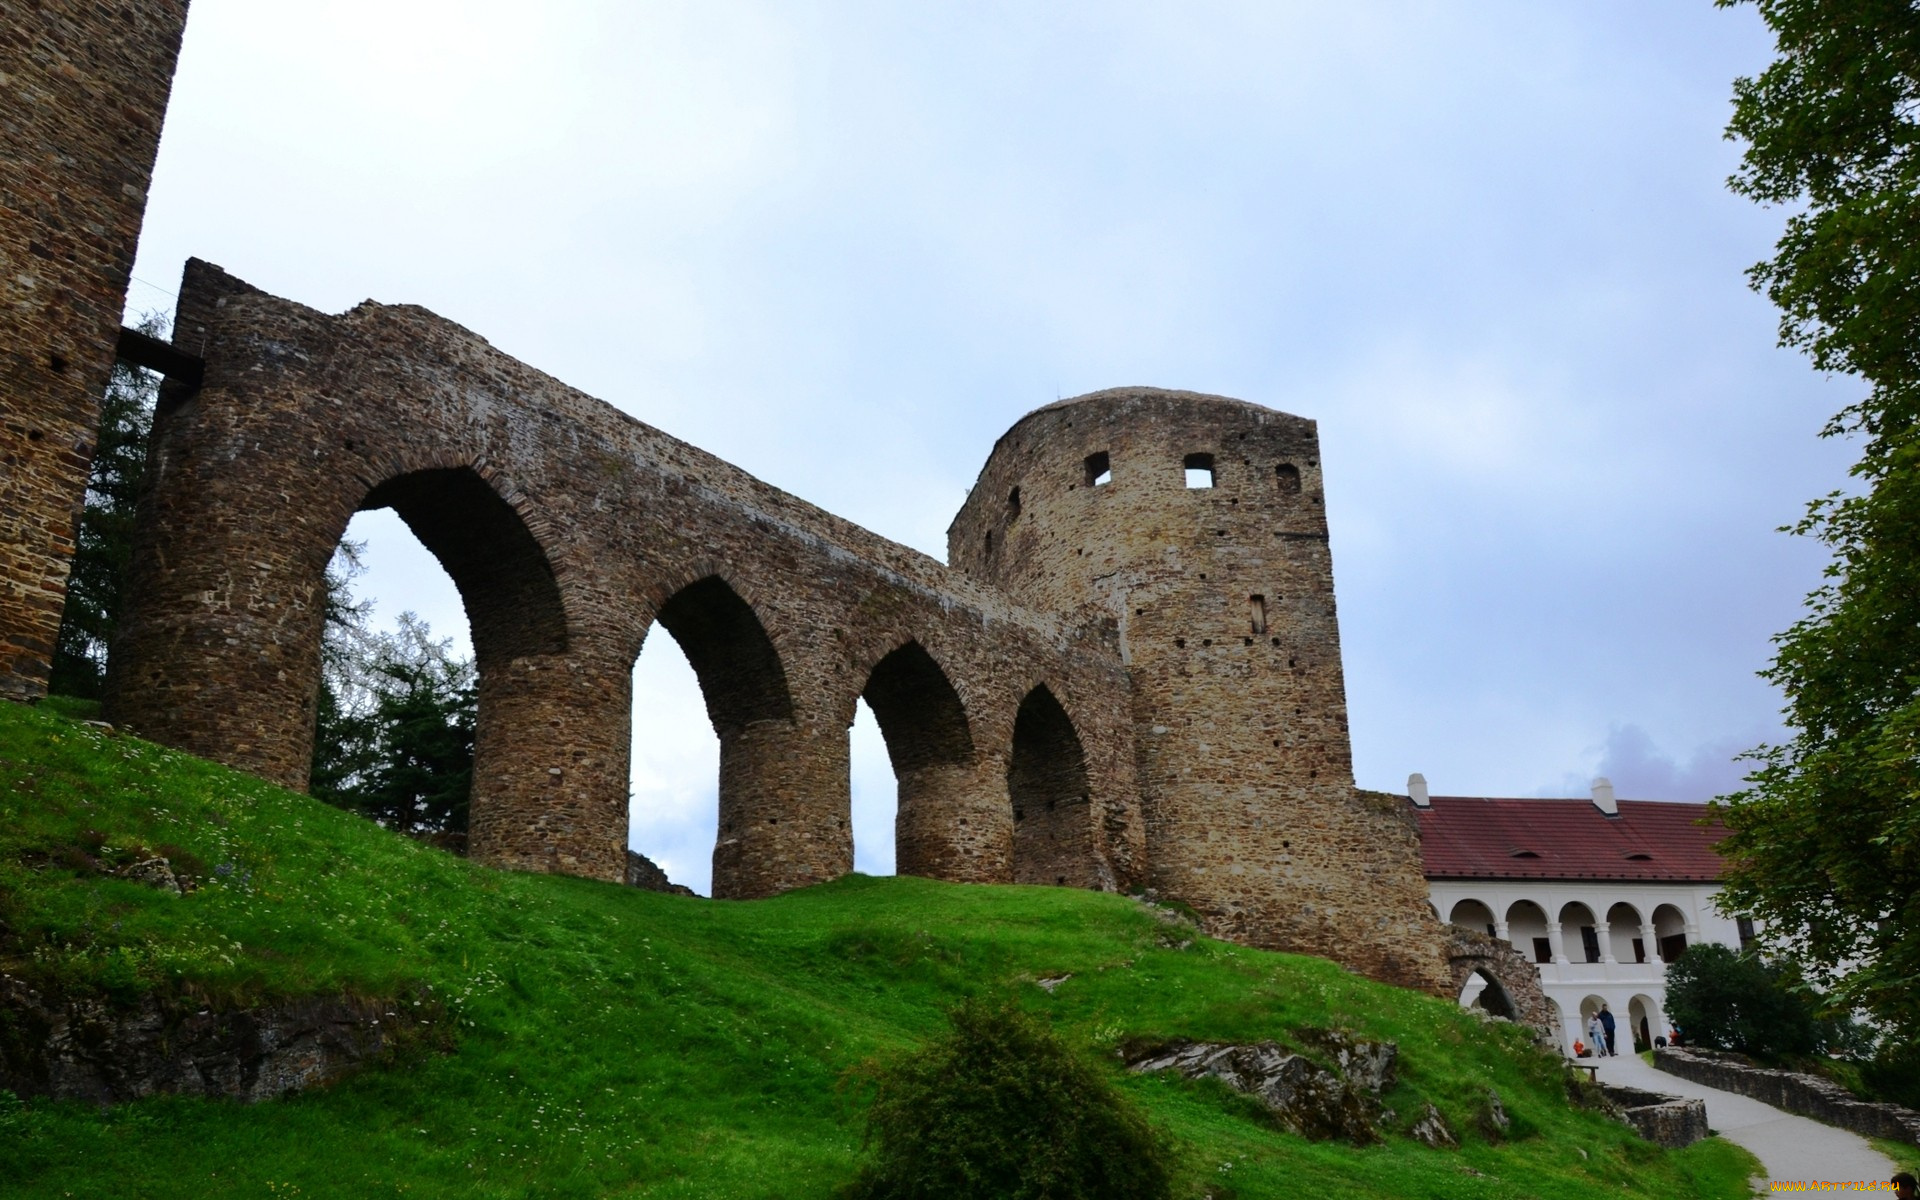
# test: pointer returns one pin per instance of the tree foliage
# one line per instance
(1825, 843)
(1001, 1109)
(96, 586)
(1726, 1000)
(395, 723)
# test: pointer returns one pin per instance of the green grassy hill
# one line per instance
(612, 1042)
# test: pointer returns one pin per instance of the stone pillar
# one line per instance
(85, 88)
(218, 651)
(1559, 944)
(1650, 940)
(955, 823)
(785, 808)
(550, 764)
(1602, 933)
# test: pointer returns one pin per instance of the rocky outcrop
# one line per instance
(1300, 1094)
(1805, 1095)
(643, 872)
(1432, 1130)
(91, 1049)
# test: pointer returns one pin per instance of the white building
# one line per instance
(1600, 894)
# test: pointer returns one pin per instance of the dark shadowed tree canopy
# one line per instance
(104, 543)
(1826, 841)
(1726, 1000)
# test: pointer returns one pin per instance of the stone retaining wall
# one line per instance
(1670, 1121)
(1804, 1095)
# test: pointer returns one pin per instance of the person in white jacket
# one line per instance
(1596, 1036)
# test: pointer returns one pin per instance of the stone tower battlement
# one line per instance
(1194, 528)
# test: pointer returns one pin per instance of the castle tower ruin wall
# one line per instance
(1221, 596)
(83, 87)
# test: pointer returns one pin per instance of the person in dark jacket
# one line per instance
(1606, 1024)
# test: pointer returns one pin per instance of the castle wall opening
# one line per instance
(1047, 785)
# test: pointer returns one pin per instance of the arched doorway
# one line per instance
(513, 609)
(743, 688)
(1646, 1020)
(941, 830)
(1047, 784)
(1484, 992)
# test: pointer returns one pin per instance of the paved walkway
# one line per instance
(1790, 1147)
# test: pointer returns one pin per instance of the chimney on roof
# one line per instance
(1417, 790)
(1603, 797)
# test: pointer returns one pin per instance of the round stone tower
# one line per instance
(1194, 527)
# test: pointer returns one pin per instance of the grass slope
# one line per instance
(612, 1042)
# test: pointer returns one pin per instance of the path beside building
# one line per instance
(1789, 1147)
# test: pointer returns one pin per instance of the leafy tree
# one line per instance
(1825, 843)
(104, 542)
(1726, 1000)
(395, 721)
(1001, 1109)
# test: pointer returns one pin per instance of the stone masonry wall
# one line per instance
(571, 530)
(1221, 598)
(1806, 1095)
(83, 88)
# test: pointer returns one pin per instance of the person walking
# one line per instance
(1606, 1025)
(1597, 1035)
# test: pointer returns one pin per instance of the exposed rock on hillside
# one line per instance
(88, 1049)
(1301, 1095)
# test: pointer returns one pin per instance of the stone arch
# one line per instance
(774, 830)
(1489, 996)
(1471, 953)
(514, 610)
(741, 676)
(920, 714)
(1047, 785)
(505, 578)
(949, 824)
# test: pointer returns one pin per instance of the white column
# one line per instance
(1558, 943)
(1600, 931)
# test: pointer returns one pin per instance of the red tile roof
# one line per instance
(1471, 837)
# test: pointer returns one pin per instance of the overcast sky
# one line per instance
(1488, 246)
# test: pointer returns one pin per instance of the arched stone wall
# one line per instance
(1469, 951)
(571, 529)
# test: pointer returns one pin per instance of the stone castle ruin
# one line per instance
(1116, 681)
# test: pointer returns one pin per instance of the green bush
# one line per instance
(1002, 1109)
(1726, 1000)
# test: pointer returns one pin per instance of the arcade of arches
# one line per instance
(568, 530)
